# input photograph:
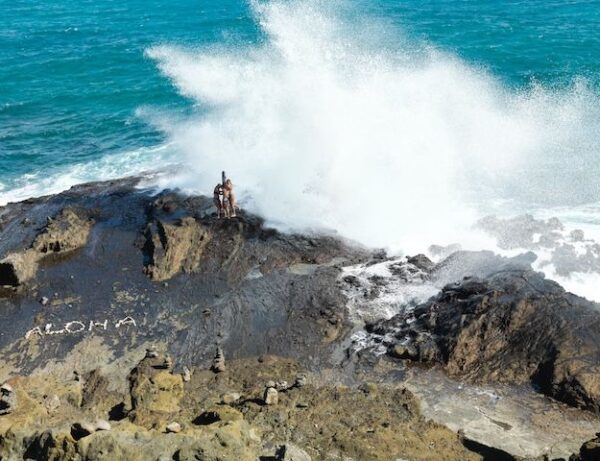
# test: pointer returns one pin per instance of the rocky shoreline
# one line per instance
(114, 300)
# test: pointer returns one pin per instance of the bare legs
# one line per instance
(232, 205)
(218, 205)
(226, 208)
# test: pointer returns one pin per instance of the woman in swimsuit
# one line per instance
(217, 192)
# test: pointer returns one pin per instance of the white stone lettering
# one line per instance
(48, 330)
(102, 325)
(36, 330)
(78, 326)
(125, 321)
(75, 327)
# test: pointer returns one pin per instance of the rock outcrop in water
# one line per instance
(513, 326)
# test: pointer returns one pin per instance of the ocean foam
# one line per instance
(397, 148)
(329, 124)
(133, 163)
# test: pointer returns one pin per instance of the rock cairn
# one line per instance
(218, 364)
(151, 352)
(271, 395)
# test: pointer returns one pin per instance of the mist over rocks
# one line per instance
(134, 313)
(566, 252)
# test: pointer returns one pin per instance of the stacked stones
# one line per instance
(151, 352)
(218, 364)
(272, 389)
(186, 375)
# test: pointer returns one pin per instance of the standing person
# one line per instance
(217, 193)
(229, 195)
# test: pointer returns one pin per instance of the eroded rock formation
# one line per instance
(66, 232)
(323, 415)
(511, 327)
(174, 248)
(160, 274)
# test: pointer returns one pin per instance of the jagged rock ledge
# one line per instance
(114, 300)
(511, 326)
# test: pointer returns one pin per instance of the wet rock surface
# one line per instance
(510, 327)
(235, 288)
(143, 327)
(66, 232)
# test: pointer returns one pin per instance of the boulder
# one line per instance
(186, 375)
(102, 425)
(590, 450)
(151, 352)
(513, 326)
(82, 429)
(281, 385)
(422, 262)
(230, 398)
(8, 399)
(301, 381)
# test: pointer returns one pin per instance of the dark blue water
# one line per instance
(79, 98)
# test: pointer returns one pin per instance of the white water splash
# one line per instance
(134, 163)
(397, 148)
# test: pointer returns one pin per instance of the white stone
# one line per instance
(102, 425)
(174, 427)
(271, 396)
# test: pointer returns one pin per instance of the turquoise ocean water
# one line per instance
(104, 88)
(74, 77)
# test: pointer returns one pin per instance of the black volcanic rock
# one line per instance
(513, 326)
(119, 270)
(109, 253)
